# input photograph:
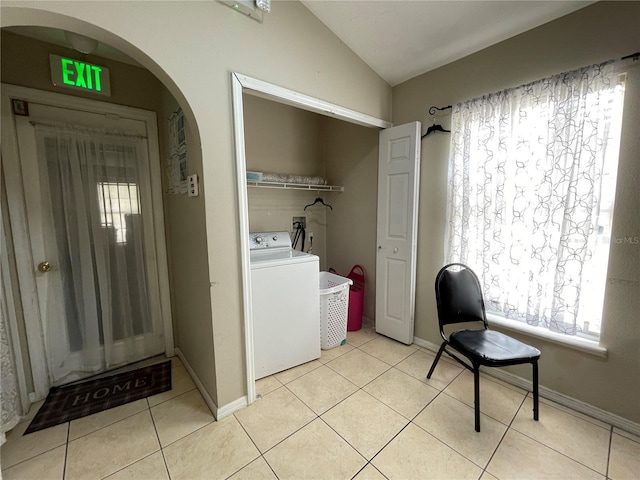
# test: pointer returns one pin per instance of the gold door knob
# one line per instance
(44, 267)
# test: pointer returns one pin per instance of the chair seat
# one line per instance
(493, 348)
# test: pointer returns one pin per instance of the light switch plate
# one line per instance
(192, 185)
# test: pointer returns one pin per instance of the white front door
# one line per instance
(398, 188)
(88, 199)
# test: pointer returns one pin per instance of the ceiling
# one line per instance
(401, 39)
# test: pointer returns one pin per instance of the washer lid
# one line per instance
(269, 257)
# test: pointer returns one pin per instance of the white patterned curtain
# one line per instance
(10, 405)
(9, 396)
(525, 197)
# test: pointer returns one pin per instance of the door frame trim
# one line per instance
(26, 278)
(239, 84)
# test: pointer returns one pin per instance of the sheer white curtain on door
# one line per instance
(9, 394)
(96, 295)
(11, 403)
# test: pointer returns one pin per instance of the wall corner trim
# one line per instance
(205, 395)
(557, 397)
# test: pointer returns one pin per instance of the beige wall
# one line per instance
(208, 41)
(25, 62)
(283, 139)
(352, 157)
(596, 33)
(188, 273)
(286, 140)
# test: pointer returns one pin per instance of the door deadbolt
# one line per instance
(44, 267)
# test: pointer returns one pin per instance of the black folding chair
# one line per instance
(459, 300)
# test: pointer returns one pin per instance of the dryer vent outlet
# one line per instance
(302, 221)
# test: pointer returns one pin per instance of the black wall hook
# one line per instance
(434, 127)
(432, 110)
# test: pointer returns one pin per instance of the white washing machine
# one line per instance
(285, 294)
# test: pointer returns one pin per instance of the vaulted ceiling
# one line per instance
(401, 39)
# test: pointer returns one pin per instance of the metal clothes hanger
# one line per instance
(434, 127)
(318, 200)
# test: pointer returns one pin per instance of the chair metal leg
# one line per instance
(435, 362)
(535, 391)
(476, 395)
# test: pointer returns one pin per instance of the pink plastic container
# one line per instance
(356, 299)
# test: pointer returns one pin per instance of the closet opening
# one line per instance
(278, 131)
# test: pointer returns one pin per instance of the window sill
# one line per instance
(576, 343)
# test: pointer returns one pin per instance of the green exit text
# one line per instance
(79, 75)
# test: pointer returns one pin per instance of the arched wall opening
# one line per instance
(180, 212)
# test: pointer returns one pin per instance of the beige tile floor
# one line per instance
(363, 411)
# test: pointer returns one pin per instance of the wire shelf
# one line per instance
(295, 186)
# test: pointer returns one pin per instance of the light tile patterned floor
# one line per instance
(363, 411)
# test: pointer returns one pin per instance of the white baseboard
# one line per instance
(218, 412)
(232, 407)
(560, 398)
(205, 395)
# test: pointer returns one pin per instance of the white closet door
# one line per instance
(398, 188)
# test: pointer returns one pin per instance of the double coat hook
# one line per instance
(434, 127)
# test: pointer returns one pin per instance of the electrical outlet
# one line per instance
(192, 185)
(310, 236)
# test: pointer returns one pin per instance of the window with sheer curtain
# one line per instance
(532, 174)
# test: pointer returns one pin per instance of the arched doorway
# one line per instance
(171, 97)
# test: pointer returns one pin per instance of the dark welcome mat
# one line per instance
(69, 402)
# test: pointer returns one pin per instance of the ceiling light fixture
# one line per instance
(264, 5)
(250, 8)
(81, 43)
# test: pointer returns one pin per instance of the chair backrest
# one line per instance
(459, 296)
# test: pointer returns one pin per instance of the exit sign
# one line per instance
(79, 75)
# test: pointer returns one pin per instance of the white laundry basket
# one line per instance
(334, 308)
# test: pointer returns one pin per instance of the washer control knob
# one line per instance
(259, 239)
(275, 237)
